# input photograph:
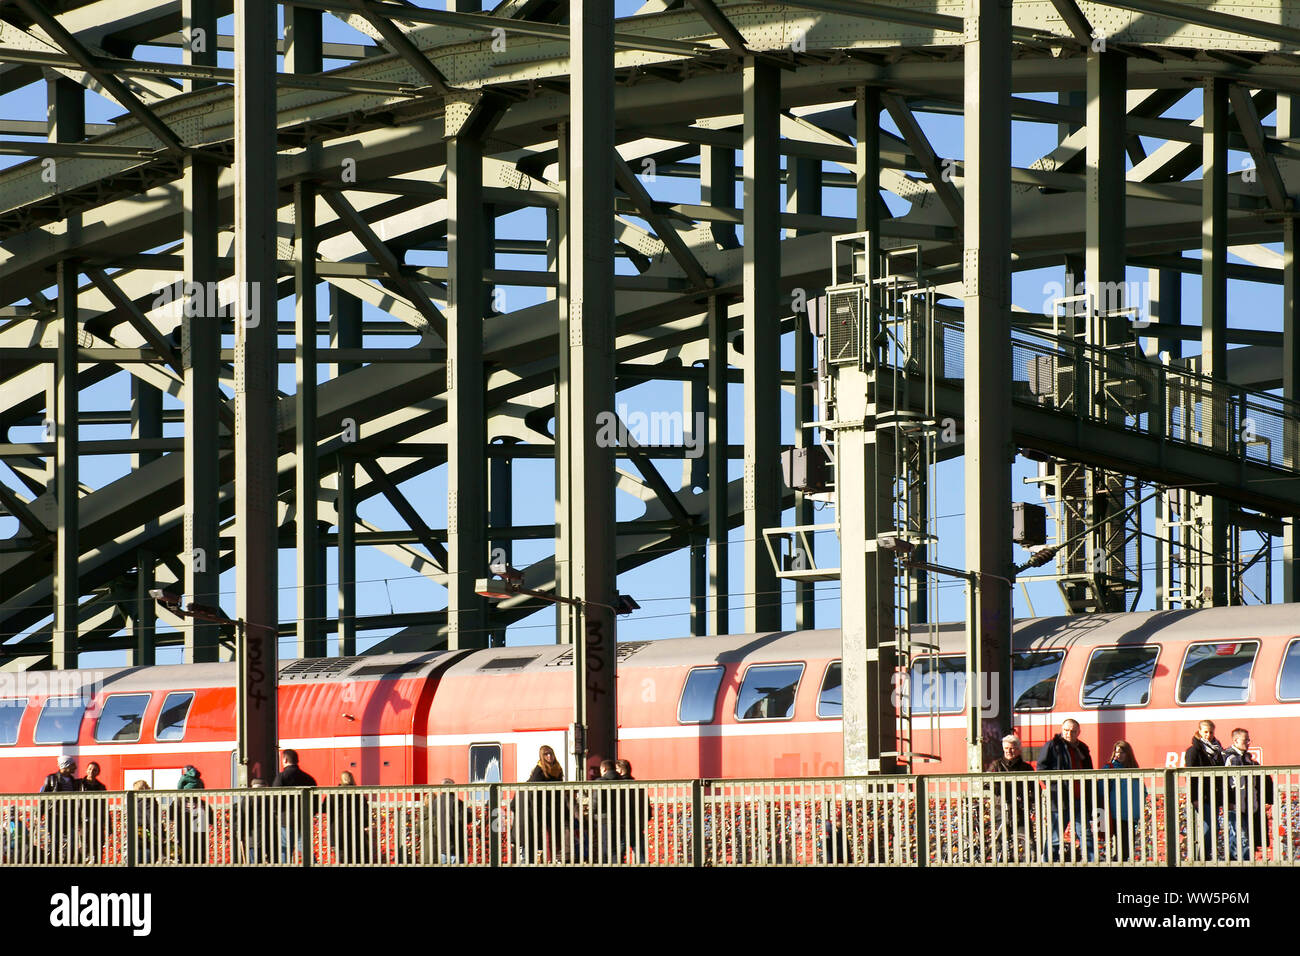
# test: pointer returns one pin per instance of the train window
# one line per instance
(1217, 673)
(1033, 679)
(11, 714)
(1288, 680)
(171, 719)
(121, 717)
(699, 695)
(767, 692)
(1119, 676)
(939, 684)
(830, 703)
(60, 720)
(485, 763)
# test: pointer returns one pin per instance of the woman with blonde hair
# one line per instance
(544, 812)
(548, 769)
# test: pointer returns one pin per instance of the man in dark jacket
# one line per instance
(61, 817)
(1206, 796)
(1068, 800)
(291, 775)
(606, 816)
(1248, 795)
(636, 816)
(1013, 817)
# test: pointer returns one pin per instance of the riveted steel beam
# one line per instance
(111, 84)
(256, 393)
(987, 288)
(761, 360)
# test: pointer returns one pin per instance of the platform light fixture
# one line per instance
(508, 582)
(172, 602)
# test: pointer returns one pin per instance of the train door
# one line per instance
(347, 732)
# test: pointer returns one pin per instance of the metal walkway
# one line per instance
(1164, 424)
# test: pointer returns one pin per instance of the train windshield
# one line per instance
(1033, 679)
(768, 691)
(939, 685)
(1217, 673)
(1119, 676)
(11, 714)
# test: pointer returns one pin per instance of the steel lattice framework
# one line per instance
(220, 191)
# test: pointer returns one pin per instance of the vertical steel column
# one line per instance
(345, 329)
(718, 188)
(804, 195)
(467, 429)
(866, 575)
(201, 356)
(1288, 126)
(762, 340)
(146, 422)
(567, 618)
(591, 368)
(310, 593)
(501, 508)
(1166, 309)
(66, 119)
(1214, 317)
(989, 450)
(256, 398)
(303, 54)
(1104, 267)
(67, 480)
(719, 461)
(1105, 182)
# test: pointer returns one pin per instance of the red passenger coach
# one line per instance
(764, 705)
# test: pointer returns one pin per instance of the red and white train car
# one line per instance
(737, 706)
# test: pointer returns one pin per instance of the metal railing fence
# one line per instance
(1120, 387)
(597, 824)
(1237, 816)
(822, 822)
(1047, 819)
(62, 829)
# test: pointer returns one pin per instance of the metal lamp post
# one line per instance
(249, 687)
(974, 686)
(508, 583)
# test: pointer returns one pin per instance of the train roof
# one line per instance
(1088, 630)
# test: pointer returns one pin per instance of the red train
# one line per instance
(737, 706)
